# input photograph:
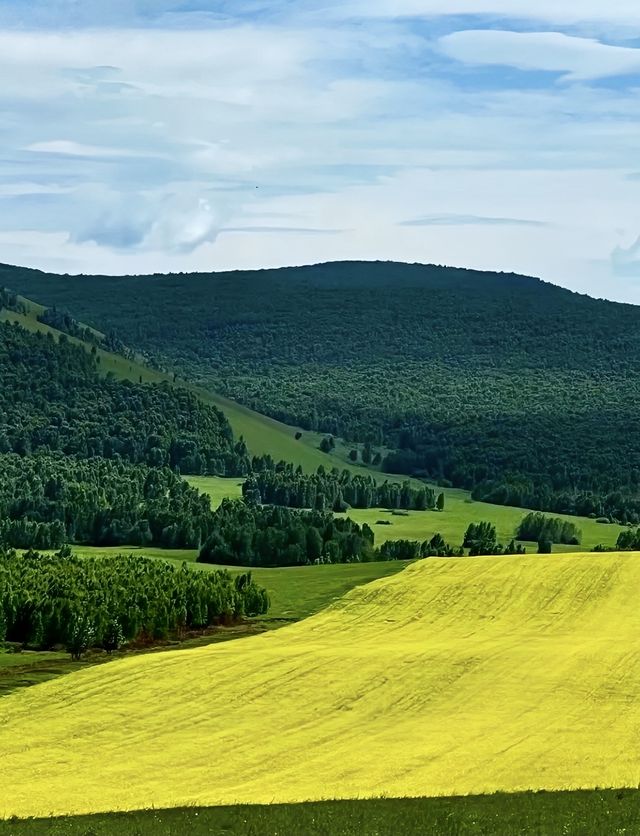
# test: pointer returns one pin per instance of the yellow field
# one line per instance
(454, 676)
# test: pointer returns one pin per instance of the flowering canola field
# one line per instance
(454, 676)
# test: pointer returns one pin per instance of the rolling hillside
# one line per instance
(518, 389)
(453, 677)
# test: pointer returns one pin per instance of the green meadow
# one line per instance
(580, 813)
(459, 511)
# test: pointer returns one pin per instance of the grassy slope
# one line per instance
(295, 592)
(528, 814)
(460, 510)
(453, 677)
(264, 435)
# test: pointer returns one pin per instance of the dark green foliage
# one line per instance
(47, 500)
(327, 444)
(63, 321)
(629, 540)
(81, 636)
(545, 547)
(440, 502)
(454, 369)
(283, 484)
(113, 636)
(539, 528)
(46, 600)
(52, 398)
(480, 538)
(9, 300)
(480, 396)
(412, 550)
(250, 535)
(576, 813)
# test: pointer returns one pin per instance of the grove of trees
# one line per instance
(284, 484)
(50, 600)
(540, 528)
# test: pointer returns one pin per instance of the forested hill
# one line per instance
(503, 383)
(85, 458)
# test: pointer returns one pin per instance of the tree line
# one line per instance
(47, 500)
(51, 600)
(284, 484)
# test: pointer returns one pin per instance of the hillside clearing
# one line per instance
(457, 676)
(460, 510)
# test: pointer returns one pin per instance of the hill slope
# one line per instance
(456, 676)
(519, 389)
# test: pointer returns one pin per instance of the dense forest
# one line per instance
(47, 500)
(518, 389)
(88, 459)
(334, 490)
(49, 600)
(52, 398)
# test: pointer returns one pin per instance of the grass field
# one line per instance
(598, 813)
(456, 676)
(460, 510)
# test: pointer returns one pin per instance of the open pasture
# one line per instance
(456, 676)
(460, 510)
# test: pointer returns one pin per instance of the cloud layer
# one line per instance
(144, 136)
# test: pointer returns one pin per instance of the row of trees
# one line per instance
(334, 490)
(47, 500)
(615, 505)
(50, 600)
(413, 550)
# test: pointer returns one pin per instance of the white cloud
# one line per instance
(578, 59)
(69, 148)
(625, 13)
(246, 145)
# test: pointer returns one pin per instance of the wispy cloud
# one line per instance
(69, 148)
(576, 59)
(469, 220)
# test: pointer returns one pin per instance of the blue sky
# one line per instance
(153, 136)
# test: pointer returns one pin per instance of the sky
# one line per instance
(141, 136)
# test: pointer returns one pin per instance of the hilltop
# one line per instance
(517, 389)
